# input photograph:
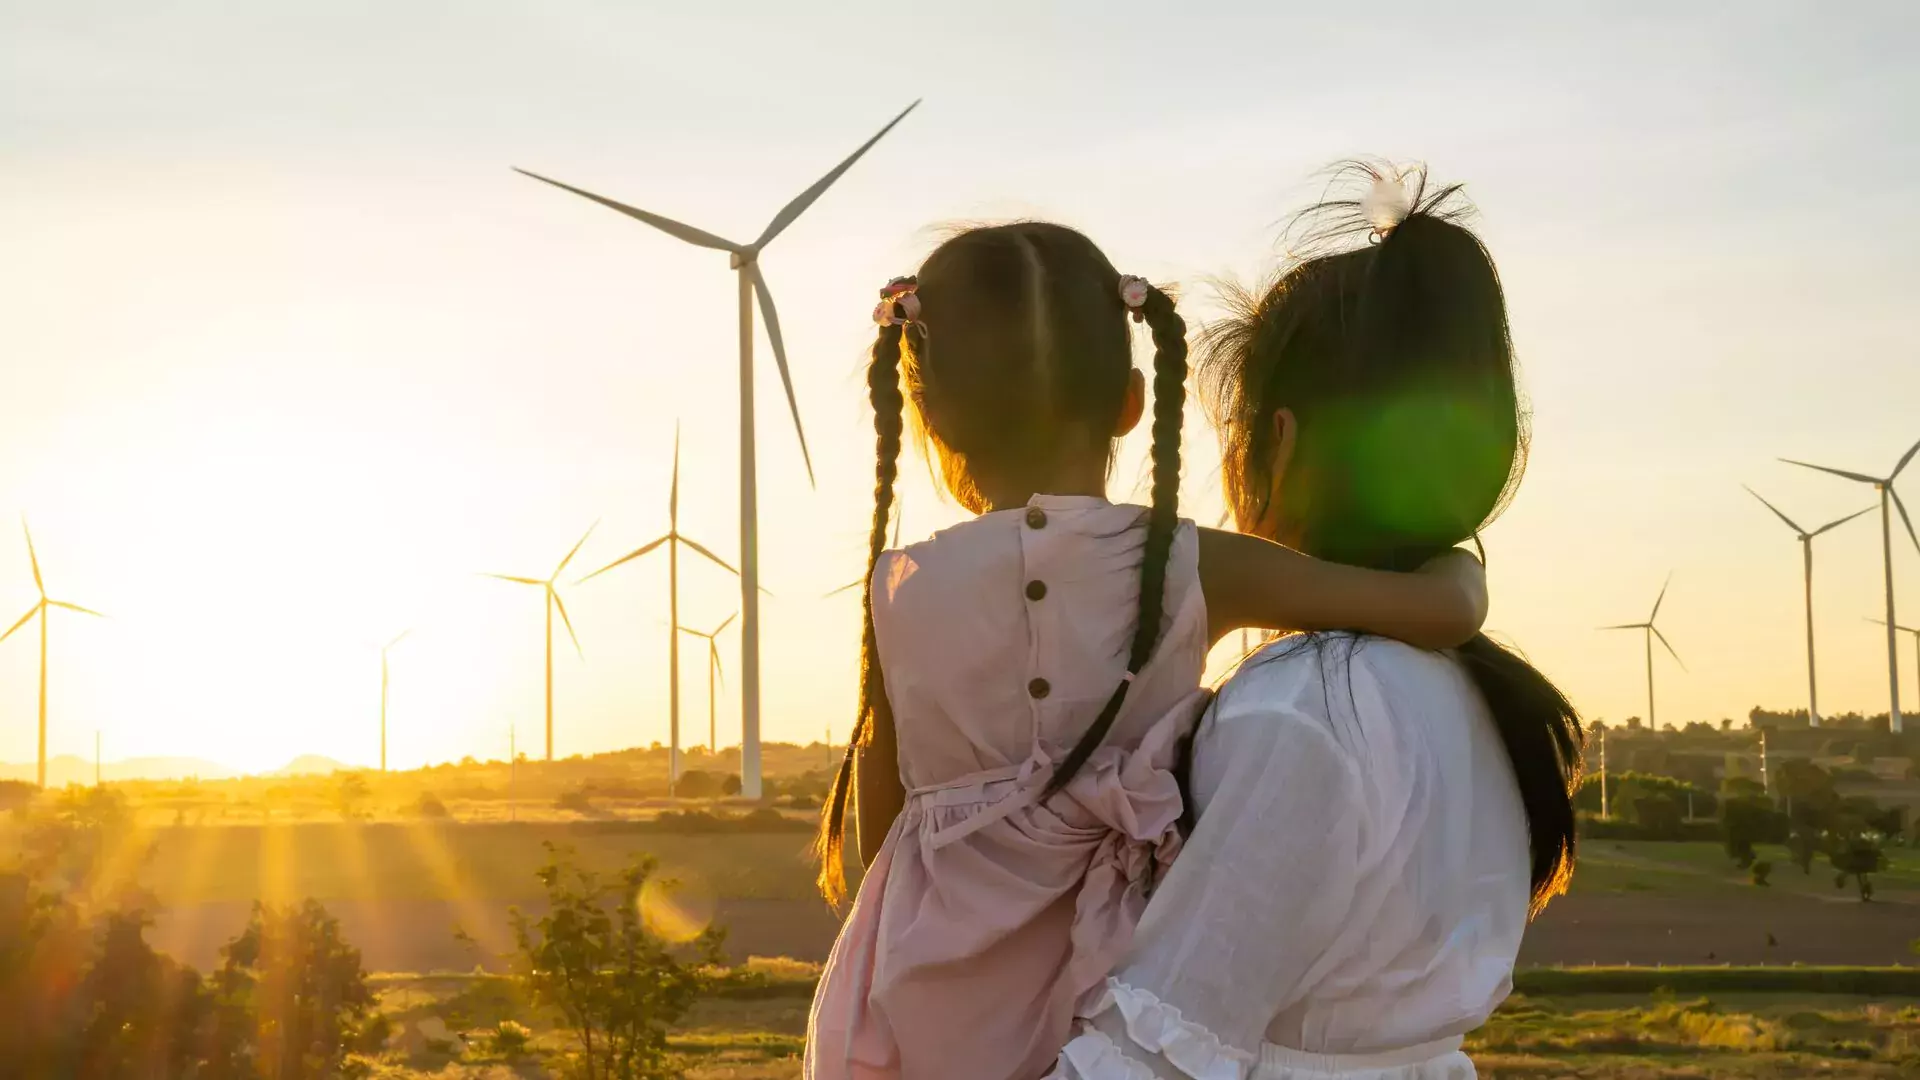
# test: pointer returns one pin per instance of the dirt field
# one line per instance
(399, 891)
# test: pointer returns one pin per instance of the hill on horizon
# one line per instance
(64, 769)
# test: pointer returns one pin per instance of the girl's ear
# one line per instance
(1286, 430)
(1133, 406)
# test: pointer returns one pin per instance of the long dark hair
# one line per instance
(1387, 337)
(1020, 344)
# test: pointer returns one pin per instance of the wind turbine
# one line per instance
(1916, 642)
(1884, 485)
(1652, 632)
(553, 602)
(41, 608)
(383, 694)
(744, 259)
(1806, 550)
(713, 671)
(672, 540)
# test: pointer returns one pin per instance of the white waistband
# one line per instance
(1281, 1057)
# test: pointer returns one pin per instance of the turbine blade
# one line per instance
(76, 607)
(678, 230)
(397, 640)
(516, 580)
(1904, 458)
(722, 628)
(1792, 524)
(575, 551)
(806, 198)
(31, 612)
(1901, 506)
(673, 493)
(1622, 626)
(780, 360)
(33, 557)
(1670, 652)
(1862, 477)
(713, 653)
(1842, 521)
(899, 519)
(718, 561)
(562, 605)
(628, 557)
(1658, 600)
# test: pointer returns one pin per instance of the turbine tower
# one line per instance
(553, 603)
(41, 608)
(672, 540)
(744, 259)
(713, 672)
(1884, 485)
(1806, 550)
(383, 694)
(1652, 632)
(1916, 643)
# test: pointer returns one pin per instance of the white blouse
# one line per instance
(1352, 899)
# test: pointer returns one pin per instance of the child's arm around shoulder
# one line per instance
(1251, 582)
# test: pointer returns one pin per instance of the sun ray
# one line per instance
(451, 885)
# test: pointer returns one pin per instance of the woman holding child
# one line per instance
(1351, 896)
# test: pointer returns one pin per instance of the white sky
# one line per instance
(287, 353)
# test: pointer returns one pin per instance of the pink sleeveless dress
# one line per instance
(989, 915)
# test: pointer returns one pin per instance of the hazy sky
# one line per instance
(288, 354)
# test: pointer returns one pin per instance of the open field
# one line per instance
(754, 1032)
(400, 889)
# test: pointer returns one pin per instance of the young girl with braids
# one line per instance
(1026, 675)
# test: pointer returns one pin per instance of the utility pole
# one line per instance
(1765, 784)
(513, 775)
(1603, 773)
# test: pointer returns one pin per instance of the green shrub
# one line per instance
(592, 959)
(510, 1039)
(1760, 871)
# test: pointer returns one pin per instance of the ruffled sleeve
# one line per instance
(1239, 929)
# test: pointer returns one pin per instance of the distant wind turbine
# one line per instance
(713, 673)
(672, 540)
(40, 608)
(1884, 485)
(1916, 642)
(1652, 632)
(553, 603)
(383, 694)
(745, 260)
(1806, 550)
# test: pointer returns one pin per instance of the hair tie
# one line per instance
(899, 305)
(1133, 293)
(1387, 203)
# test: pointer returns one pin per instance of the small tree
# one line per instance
(1744, 822)
(1660, 814)
(290, 998)
(348, 793)
(1802, 847)
(1760, 872)
(592, 960)
(1859, 857)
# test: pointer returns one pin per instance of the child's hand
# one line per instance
(1465, 593)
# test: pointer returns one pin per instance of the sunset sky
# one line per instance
(288, 356)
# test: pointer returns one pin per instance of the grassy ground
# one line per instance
(1700, 867)
(756, 1034)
